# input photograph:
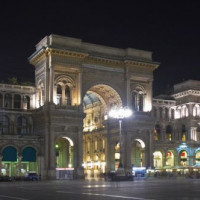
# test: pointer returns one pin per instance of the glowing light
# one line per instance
(141, 142)
(138, 168)
(120, 113)
(59, 168)
(183, 145)
(117, 156)
(70, 141)
(70, 165)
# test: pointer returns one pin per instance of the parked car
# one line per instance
(5, 178)
(31, 176)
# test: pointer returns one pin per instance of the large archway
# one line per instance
(64, 152)
(97, 102)
(10, 161)
(28, 160)
(157, 160)
(138, 153)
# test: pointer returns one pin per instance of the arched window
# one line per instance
(17, 101)
(29, 155)
(26, 100)
(1, 100)
(9, 154)
(183, 133)
(138, 100)
(157, 135)
(170, 159)
(21, 125)
(4, 124)
(68, 94)
(168, 133)
(157, 159)
(183, 158)
(8, 101)
(197, 156)
(59, 94)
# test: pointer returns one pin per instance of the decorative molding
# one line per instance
(186, 93)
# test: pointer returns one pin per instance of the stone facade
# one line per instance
(66, 123)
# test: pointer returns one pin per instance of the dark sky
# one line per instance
(170, 29)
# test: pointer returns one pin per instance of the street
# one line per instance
(140, 189)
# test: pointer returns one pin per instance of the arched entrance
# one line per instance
(15, 164)
(183, 158)
(169, 159)
(28, 160)
(97, 102)
(157, 159)
(138, 153)
(64, 158)
(64, 152)
(10, 161)
(197, 157)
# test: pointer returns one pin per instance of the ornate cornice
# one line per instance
(186, 93)
(52, 51)
(141, 64)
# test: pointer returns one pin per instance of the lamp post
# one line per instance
(120, 114)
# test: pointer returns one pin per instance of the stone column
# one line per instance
(39, 162)
(150, 148)
(79, 92)
(79, 155)
(12, 101)
(3, 100)
(191, 160)
(164, 158)
(127, 153)
(108, 150)
(47, 86)
(190, 109)
(20, 164)
(1, 157)
(51, 82)
(52, 155)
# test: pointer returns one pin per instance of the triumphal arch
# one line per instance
(77, 84)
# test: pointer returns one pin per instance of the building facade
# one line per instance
(176, 135)
(62, 123)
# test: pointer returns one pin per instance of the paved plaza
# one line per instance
(139, 189)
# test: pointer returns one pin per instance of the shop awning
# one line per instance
(9, 154)
(29, 155)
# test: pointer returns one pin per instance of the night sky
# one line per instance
(170, 29)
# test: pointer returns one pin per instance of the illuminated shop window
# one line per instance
(157, 159)
(183, 158)
(169, 159)
(197, 156)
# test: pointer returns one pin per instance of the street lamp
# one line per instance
(121, 113)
